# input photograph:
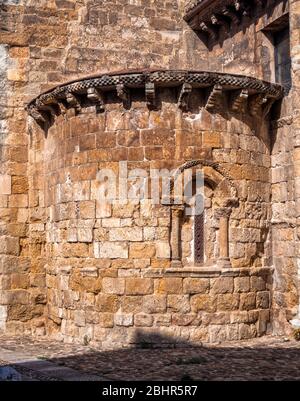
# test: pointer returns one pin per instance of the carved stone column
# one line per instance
(224, 260)
(177, 212)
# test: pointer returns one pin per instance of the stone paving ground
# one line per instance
(267, 358)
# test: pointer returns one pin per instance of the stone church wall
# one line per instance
(108, 276)
(52, 280)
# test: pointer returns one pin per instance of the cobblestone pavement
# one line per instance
(267, 358)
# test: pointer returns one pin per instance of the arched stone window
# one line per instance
(199, 238)
(199, 232)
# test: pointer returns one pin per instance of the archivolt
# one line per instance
(206, 163)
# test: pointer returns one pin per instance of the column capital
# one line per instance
(177, 210)
(223, 212)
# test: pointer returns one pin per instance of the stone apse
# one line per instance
(120, 272)
(81, 269)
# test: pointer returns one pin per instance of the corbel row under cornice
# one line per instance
(229, 92)
(209, 16)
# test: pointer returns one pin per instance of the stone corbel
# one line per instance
(73, 101)
(97, 97)
(50, 109)
(223, 214)
(255, 104)
(209, 30)
(184, 96)
(268, 106)
(177, 212)
(242, 6)
(239, 100)
(215, 98)
(124, 94)
(62, 107)
(260, 3)
(37, 115)
(220, 21)
(150, 94)
(229, 13)
(237, 5)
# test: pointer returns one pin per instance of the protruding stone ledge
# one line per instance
(235, 93)
(211, 16)
(208, 271)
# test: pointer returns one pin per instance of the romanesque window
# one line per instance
(276, 57)
(199, 238)
(282, 57)
(199, 234)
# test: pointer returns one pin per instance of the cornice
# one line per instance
(209, 16)
(243, 94)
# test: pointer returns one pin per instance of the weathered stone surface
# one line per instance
(139, 286)
(242, 284)
(195, 285)
(122, 319)
(163, 320)
(81, 283)
(248, 301)
(203, 303)
(113, 285)
(132, 304)
(228, 302)
(5, 185)
(111, 250)
(257, 283)
(178, 303)
(103, 209)
(143, 320)
(85, 235)
(155, 303)
(170, 286)
(222, 285)
(107, 303)
(162, 250)
(217, 334)
(106, 319)
(141, 250)
(126, 234)
(263, 300)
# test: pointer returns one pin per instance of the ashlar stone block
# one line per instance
(5, 184)
(195, 285)
(111, 250)
(112, 285)
(139, 286)
(133, 234)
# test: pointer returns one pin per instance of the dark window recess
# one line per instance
(283, 58)
(199, 238)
